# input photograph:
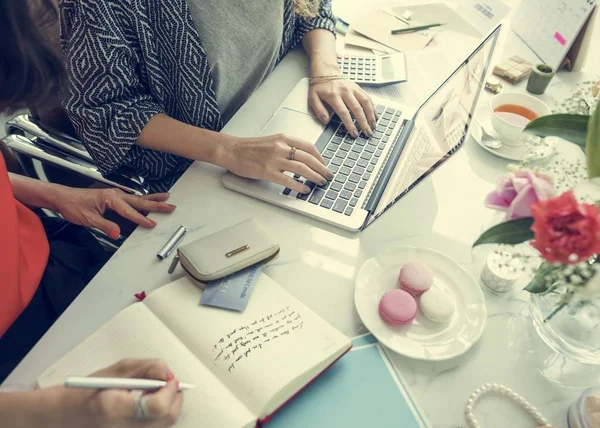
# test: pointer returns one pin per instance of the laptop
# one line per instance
(373, 173)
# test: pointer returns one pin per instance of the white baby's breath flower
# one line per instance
(574, 290)
(587, 274)
(592, 288)
(575, 279)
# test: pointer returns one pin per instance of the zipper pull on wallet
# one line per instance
(174, 264)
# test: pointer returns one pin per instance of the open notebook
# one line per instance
(245, 365)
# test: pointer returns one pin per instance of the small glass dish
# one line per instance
(585, 412)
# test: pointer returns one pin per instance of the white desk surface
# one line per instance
(318, 264)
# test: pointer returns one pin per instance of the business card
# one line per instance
(232, 292)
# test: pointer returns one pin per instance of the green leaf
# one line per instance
(592, 146)
(571, 127)
(539, 284)
(512, 232)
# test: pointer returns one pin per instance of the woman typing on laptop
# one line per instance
(168, 76)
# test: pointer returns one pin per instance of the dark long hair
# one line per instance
(31, 72)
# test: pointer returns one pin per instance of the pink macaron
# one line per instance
(415, 278)
(397, 307)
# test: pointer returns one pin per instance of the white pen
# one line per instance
(120, 383)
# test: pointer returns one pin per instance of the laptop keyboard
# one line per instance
(351, 160)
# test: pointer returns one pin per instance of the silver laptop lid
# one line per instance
(439, 127)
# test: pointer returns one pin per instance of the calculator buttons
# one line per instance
(358, 68)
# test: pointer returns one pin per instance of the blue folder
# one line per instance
(360, 390)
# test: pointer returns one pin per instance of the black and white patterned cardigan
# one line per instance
(129, 60)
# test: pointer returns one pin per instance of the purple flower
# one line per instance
(516, 192)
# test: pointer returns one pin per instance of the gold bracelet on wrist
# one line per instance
(326, 78)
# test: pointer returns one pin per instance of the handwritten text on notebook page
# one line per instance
(245, 341)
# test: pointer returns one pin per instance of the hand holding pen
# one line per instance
(120, 407)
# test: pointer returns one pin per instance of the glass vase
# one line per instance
(572, 330)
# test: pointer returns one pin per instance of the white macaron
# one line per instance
(437, 305)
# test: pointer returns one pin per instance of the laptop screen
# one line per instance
(440, 125)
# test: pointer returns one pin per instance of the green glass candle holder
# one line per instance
(539, 79)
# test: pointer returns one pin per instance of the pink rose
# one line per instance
(516, 193)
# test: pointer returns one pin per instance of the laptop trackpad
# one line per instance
(295, 124)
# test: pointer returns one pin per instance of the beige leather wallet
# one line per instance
(227, 251)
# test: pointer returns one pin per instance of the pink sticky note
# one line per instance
(560, 38)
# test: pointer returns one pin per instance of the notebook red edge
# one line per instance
(261, 422)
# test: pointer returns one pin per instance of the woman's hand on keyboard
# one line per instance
(269, 157)
(344, 96)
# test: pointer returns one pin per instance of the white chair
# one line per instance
(31, 142)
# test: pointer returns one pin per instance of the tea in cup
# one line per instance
(511, 112)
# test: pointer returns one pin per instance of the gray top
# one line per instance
(242, 39)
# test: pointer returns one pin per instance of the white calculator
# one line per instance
(374, 70)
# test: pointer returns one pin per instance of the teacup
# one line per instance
(511, 112)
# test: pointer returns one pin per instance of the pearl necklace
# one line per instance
(507, 392)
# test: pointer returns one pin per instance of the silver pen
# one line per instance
(172, 243)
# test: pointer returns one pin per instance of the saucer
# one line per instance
(532, 149)
(423, 339)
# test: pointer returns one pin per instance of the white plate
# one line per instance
(423, 339)
(532, 149)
